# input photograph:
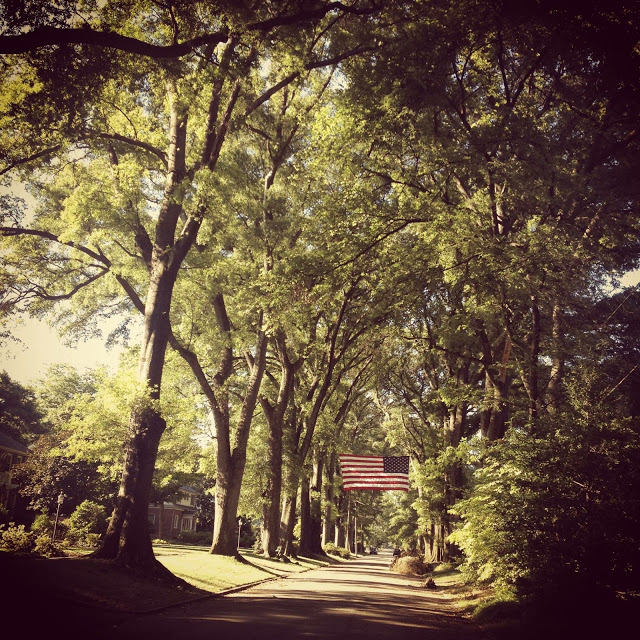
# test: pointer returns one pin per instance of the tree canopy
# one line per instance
(383, 227)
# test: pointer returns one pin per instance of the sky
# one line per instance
(40, 347)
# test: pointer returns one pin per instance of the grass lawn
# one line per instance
(86, 580)
(217, 573)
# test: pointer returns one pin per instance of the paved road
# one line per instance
(358, 599)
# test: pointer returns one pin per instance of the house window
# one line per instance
(176, 521)
(152, 518)
(193, 501)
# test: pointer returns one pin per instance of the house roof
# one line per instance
(7, 442)
(190, 489)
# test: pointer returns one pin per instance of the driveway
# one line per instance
(358, 599)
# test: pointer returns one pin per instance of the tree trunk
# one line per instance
(327, 524)
(313, 540)
(304, 546)
(231, 463)
(225, 527)
(498, 418)
(554, 390)
(347, 527)
(127, 539)
(287, 525)
(339, 540)
(270, 533)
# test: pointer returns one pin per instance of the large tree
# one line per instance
(117, 113)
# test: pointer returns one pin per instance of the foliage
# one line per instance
(402, 530)
(88, 415)
(86, 523)
(444, 208)
(47, 472)
(332, 550)
(558, 510)
(195, 537)
(42, 524)
(248, 536)
(16, 538)
(20, 417)
(44, 546)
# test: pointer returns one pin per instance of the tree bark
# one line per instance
(305, 518)
(327, 523)
(556, 376)
(127, 539)
(288, 524)
(231, 463)
(270, 533)
(311, 520)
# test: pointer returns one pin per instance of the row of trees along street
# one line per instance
(378, 227)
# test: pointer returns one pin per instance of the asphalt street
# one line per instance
(357, 599)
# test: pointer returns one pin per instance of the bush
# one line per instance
(411, 566)
(203, 538)
(16, 538)
(497, 610)
(42, 525)
(341, 552)
(92, 540)
(85, 523)
(45, 547)
(555, 511)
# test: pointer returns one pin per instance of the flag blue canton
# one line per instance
(396, 464)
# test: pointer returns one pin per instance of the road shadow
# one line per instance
(360, 599)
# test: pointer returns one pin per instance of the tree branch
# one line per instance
(131, 142)
(47, 36)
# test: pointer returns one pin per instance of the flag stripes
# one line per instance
(378, 473)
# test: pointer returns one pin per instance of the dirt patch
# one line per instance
(89, 581)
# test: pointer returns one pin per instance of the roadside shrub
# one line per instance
(45, 547)
(16, 538)
(89, 519)
(411, 566)
(203, 538)
(341, 552)
(4, 515)
(92, 540)
(556, 512)
(497, 610)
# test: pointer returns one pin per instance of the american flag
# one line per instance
(381, 473)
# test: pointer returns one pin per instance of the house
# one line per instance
(12, 454)
(169, 519)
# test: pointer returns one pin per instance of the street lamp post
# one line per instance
(55, 525)
(239, 529)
